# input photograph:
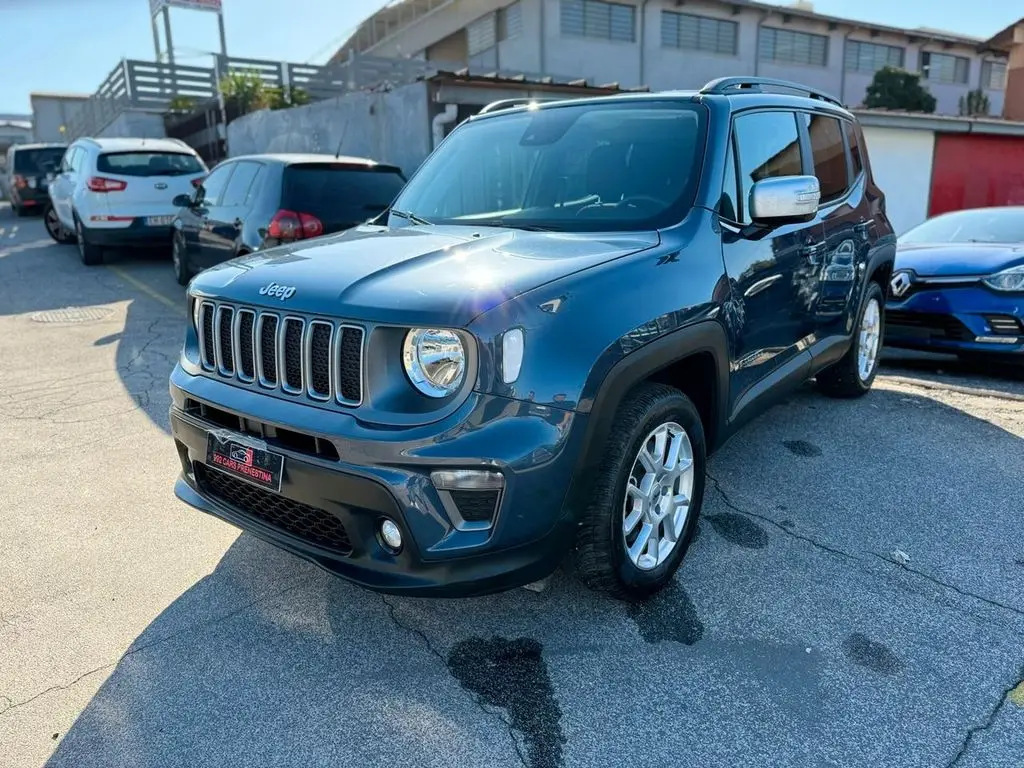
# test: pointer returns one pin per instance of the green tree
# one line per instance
(974, 103)
(247, 89)
(894, 88)
(283, 98)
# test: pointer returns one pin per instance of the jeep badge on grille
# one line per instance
(275, 291)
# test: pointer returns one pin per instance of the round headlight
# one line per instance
(435, 361)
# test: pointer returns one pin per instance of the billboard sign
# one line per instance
(155, 6)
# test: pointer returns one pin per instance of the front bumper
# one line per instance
(389, 476)
(962, 319)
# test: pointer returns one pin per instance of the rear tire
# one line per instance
(179, 260)
(854, 373)
(628, 499)
(91, 255)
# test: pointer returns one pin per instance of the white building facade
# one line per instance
(669, 44)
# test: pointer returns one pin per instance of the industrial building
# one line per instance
(667, 44)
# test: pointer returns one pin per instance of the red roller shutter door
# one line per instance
(973, 171)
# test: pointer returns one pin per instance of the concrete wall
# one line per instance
(135, 125)
(901, 162)
(49, 113)
(389, 127)
(542, 48)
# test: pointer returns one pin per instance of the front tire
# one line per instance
(647, 497)
(54, 228)
(91, 255)
(854, 373)
(179, 260)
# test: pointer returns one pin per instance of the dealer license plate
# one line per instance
(242, 458)
(159, 221)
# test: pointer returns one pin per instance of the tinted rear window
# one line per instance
(340, 194)
(148, 164)
(40, 160)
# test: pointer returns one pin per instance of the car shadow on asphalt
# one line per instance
(775, 625)
(48, 284)
(993, 373)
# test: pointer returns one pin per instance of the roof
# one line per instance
(465, 77)
(41, 145)
(884, 118)
(289, 158)
(57, 95)
(1006, 38)
(133, 145)
(397, 15)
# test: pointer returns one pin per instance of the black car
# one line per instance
(27, 175)
(254, 202)
(532, 352)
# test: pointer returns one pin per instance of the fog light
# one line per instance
(390, 535)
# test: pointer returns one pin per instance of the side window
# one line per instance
(71, 159)
(829, 155)
(213, 186)
(769, 145)
(728, 204)
(237, 188)
(853, 140)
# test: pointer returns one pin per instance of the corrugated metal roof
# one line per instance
(496, 78)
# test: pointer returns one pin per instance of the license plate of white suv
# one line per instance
(159, 221)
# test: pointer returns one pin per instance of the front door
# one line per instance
(206, 211)
(770, 312)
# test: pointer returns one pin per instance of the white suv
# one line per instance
(120, 193)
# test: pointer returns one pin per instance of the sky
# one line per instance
(71, 46)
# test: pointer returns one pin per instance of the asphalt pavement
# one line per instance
(855, 596)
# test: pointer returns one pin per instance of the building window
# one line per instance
(600, 20)
(698, 33)
(871, 57)
(945, 68)
(789, 47)
(993, 75)
(510, 22)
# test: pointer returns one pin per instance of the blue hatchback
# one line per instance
(958, 286)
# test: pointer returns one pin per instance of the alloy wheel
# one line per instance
(869, 340)
(53, 226)
(658, 496)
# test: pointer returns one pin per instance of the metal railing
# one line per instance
(159, 87)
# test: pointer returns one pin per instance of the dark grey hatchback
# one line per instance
(532, 351)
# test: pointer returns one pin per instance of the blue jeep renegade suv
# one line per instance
(532, 351)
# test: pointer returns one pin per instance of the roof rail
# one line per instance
(494, 106)
(754, 85)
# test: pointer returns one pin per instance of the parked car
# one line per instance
(532, 351)
(959, 285)
(27, 175)
(120, 193)
(258, 201)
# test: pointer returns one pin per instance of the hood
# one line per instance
(414, 274)
(954, 259)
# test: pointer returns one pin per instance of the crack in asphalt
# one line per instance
(788, 531)
(953, 587)
(444, 662)
(12, 705)
(974, 730)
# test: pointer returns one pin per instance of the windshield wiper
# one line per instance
(410, 217)
(509, 225)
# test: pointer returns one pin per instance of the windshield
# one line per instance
(149, 164)
(984, 225)
(615, 166)
(42, 160)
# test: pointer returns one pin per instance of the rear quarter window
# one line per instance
(339, 194)
(148, 164)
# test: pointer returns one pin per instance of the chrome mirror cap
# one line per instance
(784, 197)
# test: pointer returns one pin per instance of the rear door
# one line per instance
(340, 195)
(845, 220)
(226, 220)
(151, 179)
(768, 275)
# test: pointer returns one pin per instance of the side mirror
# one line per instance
(784, 200)
(182, 201)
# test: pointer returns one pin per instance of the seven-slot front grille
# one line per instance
(320, 359)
